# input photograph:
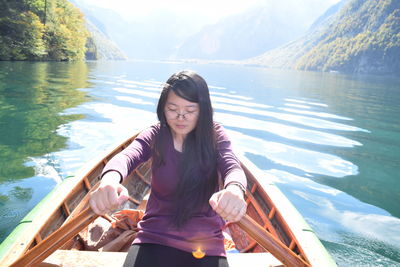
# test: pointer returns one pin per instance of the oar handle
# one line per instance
(56, 239)
(271, 243)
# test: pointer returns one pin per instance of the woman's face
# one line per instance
(181, 114)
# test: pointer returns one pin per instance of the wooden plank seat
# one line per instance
(75, 258)
(262, 259)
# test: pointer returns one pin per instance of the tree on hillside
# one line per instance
(25, 36)
(21, 37)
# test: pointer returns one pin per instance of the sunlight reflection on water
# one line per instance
(146, 93)
(286, 131)
(90, 137)
(305, 160)
(306, 102)
(304, 120)
(314, 113)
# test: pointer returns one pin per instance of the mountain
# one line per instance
(167, 33)
(328, 15)
(362, 37)
(153, 36)
(254, 31)
(99, 45)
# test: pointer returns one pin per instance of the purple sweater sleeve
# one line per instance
(227, 163)
(137, 152)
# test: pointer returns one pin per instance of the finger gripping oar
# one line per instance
(271, 243)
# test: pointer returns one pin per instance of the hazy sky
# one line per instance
(209, 10)
(212, 9)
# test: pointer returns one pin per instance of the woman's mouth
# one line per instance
(180, 126)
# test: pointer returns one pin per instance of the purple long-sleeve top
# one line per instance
(204, 229)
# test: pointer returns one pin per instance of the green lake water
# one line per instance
(330, 141)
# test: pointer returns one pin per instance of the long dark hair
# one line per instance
(197, 167)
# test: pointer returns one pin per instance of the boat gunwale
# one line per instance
(284, 230)
(307, 241)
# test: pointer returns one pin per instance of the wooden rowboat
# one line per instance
(266, 205)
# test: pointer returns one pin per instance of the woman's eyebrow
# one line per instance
(191, 106)
(187, 106)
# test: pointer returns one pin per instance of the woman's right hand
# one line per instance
(109, 195)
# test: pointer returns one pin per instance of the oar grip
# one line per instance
(271, 243)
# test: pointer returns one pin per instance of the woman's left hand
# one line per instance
(229, 203)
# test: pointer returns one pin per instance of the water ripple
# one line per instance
(123, 121)
(378, 226)
(303, 159)
(134, 100)
(137, 92)
(297, 106)
(315, 113)
(289, 132)
(231, 96)
(307, 121)
(217, 99)
(306, 102)
(141, 84)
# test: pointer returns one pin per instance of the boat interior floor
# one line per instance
(73, 258)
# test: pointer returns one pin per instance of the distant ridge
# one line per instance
(362, 37)
(99, 45)
(252, 32)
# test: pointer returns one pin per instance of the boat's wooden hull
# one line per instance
(266, 204)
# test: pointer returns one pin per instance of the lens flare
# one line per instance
(198, 254)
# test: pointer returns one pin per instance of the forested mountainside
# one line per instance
(50, 30)
(41, 30)
(363, 37)
(327, 16)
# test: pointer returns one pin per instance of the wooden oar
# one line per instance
(54, 241)
(271, 243)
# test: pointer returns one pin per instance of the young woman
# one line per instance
(197, 181)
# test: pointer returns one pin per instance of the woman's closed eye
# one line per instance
(172, 109)
(184, 112)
